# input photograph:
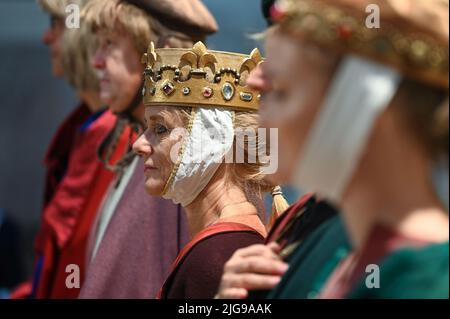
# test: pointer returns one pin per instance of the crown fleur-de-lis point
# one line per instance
(150, 57)
(199, 49)
(199, 56)
(252, 61)
(256, 56)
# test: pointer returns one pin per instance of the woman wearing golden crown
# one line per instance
(196, 100)
(359, 92)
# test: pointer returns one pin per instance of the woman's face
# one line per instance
(292, 82)
(158, 146)
(53, 38)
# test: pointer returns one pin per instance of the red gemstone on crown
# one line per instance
(207, 92)
(168, 88)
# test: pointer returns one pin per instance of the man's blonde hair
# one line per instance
(75, 58)
(119, 16)
(75, 47)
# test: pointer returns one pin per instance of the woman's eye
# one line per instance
(106, 42)
(160, 129)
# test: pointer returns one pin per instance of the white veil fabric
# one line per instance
(208, 140)
(360, 91)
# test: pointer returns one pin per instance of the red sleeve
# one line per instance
(200, 274)
(22, 291)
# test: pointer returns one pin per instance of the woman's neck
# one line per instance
(92, 100)
(217, 201)
(393, 188)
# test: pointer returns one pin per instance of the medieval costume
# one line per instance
(309, 233)
(141, 239)
(197, 270)
(72, 204)
(408, 267)
(63, 237)
(58, 153)
(135, 237)
(193, 277)
(76, 180)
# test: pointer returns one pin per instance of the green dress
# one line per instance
(406, 269)
(307, 262)
(411, 273)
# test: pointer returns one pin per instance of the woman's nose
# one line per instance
(256, 79)
(142, 147)
(48, 37)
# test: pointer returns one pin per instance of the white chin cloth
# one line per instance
(358, 94)
(209, 140)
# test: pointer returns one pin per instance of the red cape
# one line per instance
(58, 153)
(67, 218)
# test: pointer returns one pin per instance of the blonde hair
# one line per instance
(110, 14)
(75, 60)
(75, 47)
(246, 174)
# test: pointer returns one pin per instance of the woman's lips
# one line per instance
(148, 168)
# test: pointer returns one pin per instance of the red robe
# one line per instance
(58, 153)
(68, 216)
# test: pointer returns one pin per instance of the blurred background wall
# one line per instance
(33, 103)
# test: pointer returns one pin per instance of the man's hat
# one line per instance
(189, 16)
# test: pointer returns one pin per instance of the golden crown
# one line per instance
(198, 77)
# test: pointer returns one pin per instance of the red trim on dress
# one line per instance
(219, 228)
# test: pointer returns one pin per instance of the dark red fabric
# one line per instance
(197, 271)
(58, 153)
